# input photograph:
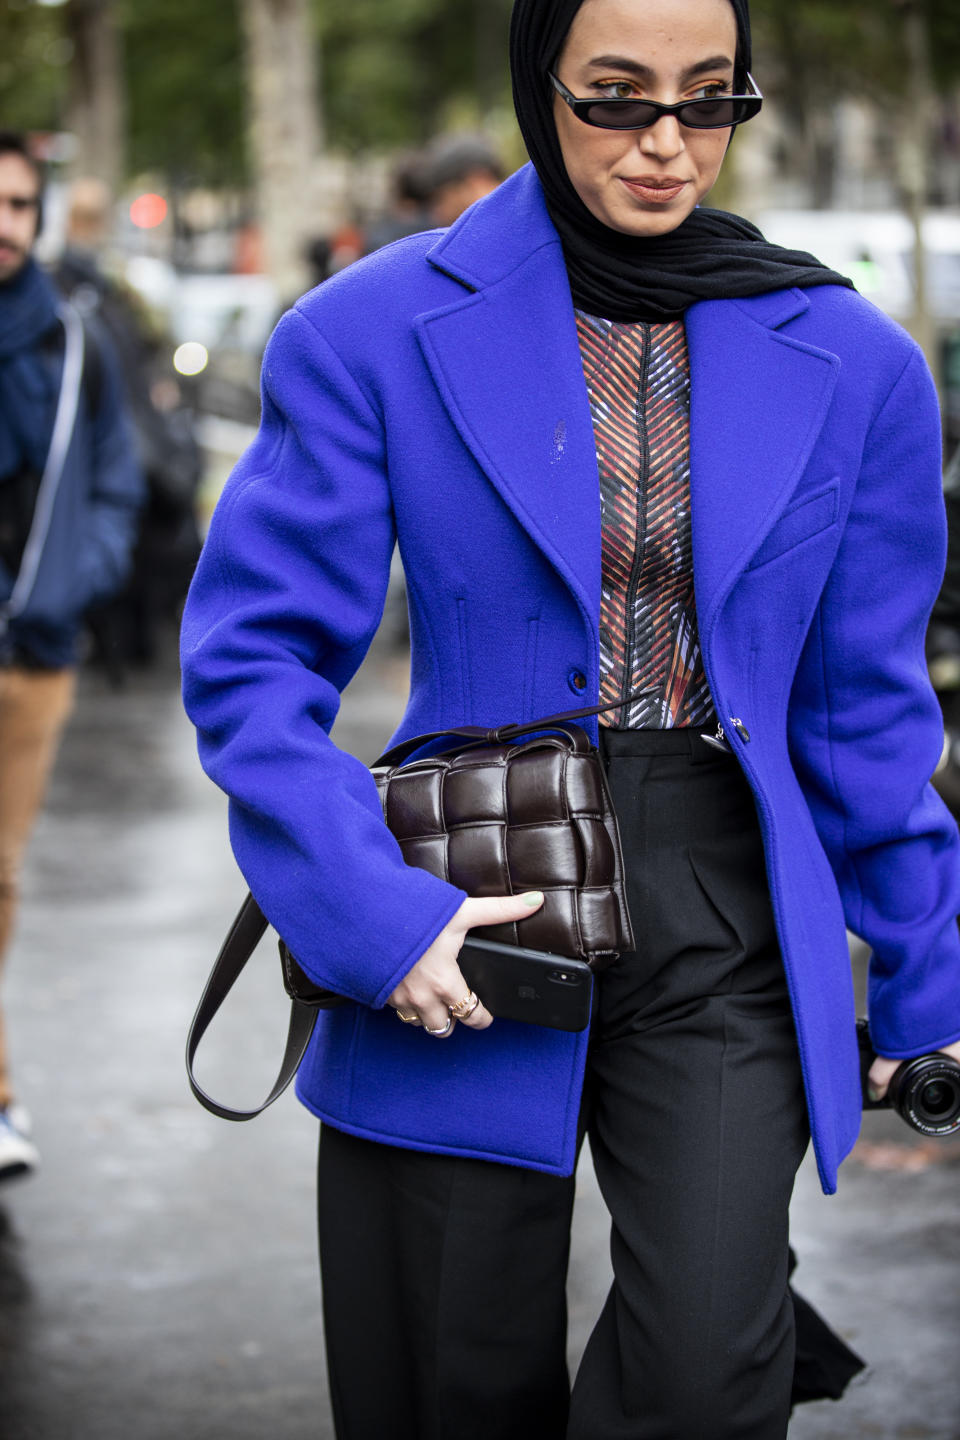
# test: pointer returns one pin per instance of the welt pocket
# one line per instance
(802, 521)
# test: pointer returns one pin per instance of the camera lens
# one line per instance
(926, 1092)
(937, 1098)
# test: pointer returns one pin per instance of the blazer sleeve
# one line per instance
(866, 730)
(288, 593)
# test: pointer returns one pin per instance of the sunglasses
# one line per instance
(717, 113)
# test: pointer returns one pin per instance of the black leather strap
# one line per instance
(243, 937)
(250, 924)
(476, 735)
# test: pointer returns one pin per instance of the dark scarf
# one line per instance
(28, 316)
(711, 256)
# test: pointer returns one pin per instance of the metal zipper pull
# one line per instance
(718, 741)
(741, 729)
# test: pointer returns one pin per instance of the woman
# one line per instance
(460, 393)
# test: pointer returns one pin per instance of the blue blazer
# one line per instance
(433, 396)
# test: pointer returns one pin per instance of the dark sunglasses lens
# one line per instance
(716, 114)
(697, 115)
(709, 113)
(620, 114)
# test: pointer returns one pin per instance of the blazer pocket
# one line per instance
(808, 517)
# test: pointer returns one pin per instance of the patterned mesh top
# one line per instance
(638, 380)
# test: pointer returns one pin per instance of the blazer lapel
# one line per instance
(759, 400)
(506, 362)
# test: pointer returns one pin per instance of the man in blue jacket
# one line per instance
(70, 486)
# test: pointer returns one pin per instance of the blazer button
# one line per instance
(578, 681)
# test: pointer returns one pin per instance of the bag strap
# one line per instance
(64, 424)
(505, 733)
(250, 924)
(242, 939)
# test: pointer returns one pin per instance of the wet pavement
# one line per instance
(158, 1276)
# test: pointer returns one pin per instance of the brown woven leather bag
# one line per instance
(509, 815)
(518, 808)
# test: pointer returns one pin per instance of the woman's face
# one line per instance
(645, 182)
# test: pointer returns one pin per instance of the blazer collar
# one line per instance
(506, 360)
(504, 229)
(497, 234)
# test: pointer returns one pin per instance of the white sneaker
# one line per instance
(20, 1118)
(17, 1155)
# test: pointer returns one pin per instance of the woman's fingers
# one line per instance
(498, 909)
(489, 910)
(881, 1073)
(434, 992)
(475, 1014)
(439, 998)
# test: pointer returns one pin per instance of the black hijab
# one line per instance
(711, 256)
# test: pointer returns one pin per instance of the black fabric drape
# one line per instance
(712, 256)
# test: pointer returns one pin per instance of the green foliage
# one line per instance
(815, 52)
(34, 66)
(394, 73)
(945, 43)
(185, 89)
(853, 47)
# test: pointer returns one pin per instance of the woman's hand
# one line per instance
(882, 1071)
(434, 987)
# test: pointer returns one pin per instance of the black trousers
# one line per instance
(444, 1279)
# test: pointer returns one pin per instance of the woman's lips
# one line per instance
(656, 190)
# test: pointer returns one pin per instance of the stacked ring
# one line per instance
(465, 1007)
(444, 1030)
(409, 1017)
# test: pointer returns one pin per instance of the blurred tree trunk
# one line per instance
(96, 107)
(284, 131)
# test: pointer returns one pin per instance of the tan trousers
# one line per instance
(34, 707)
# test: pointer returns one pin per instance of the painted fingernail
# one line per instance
(873, 1094)
(534, 899)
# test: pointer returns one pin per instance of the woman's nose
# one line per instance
(663, 140)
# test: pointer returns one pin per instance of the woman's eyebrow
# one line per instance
(644, 72)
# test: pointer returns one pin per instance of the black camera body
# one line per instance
(925, 1092)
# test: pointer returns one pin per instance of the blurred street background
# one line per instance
(207, 164)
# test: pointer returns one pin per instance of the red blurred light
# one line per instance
(148, 211)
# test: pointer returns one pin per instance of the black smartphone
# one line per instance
(530, 985)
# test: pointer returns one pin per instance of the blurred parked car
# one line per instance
(219, 323)
(875, 248)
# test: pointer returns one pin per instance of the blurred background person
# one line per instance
(70, 486)
(318, 255)
(408, 208)
(125, 627)
(459, 170)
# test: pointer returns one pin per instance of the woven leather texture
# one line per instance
(503, 819)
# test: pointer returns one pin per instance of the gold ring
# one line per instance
(409, 1017)
(465, 1007)
(444, 1030)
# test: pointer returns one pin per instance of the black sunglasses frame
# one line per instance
(749, 105)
